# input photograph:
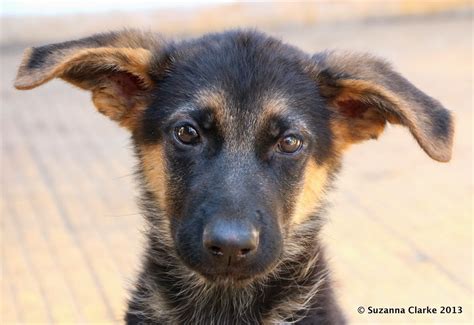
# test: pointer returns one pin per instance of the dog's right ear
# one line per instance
(118, 68)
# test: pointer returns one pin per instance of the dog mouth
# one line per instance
(238, 276)
(227, 274)
(228, 278)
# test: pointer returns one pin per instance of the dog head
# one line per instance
(238, 134)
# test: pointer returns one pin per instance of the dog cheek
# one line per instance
(312, 188)
(153, 164)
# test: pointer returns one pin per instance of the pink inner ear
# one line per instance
(128, 84)
(352, 108)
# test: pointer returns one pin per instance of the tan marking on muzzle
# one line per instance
(309, 198)
(154, 169)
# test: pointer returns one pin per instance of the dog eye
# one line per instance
(289, 144)
(187, 134)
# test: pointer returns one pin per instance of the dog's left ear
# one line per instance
(365, 93)
(116, 67)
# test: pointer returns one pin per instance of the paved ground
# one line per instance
(399, 232)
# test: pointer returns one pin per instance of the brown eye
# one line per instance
(289, 144)
(187, 134)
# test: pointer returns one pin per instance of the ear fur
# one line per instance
(365, 93)
(116, 67)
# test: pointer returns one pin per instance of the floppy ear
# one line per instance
(365, 93)
(116, 67)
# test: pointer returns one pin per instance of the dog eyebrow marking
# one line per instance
(208, 101)
(275, 102)
(214, 99)
(276, 113)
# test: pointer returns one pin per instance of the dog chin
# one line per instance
(229, 278)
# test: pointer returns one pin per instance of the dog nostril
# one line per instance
(245, 251)
(216, 250)
(230, 241)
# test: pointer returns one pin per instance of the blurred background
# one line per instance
(400, 226)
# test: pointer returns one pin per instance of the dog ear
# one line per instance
(365, 93)
(116, 67)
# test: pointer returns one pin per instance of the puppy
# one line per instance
(238, 136)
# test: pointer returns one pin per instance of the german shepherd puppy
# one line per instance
(238, 136)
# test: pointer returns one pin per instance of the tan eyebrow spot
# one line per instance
(274, 104)
(214, 99)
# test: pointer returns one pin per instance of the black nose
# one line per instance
(229, 242)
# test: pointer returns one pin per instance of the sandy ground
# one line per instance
(399, 230)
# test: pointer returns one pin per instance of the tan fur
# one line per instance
(370, 77)
(126, 112)
(135, 61)
(309, 198)
(132, 45)
(154, 169)
(348, 131)
(94, 69)
(97, 63)
(214, 99)
(274, 104)
(361, 89)
(61, 64)
(371, 124)
(132, 38)
(412, 119)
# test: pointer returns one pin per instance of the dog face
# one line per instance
(237, 134)
(236, 141)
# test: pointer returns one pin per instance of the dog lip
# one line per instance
(228, 273)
